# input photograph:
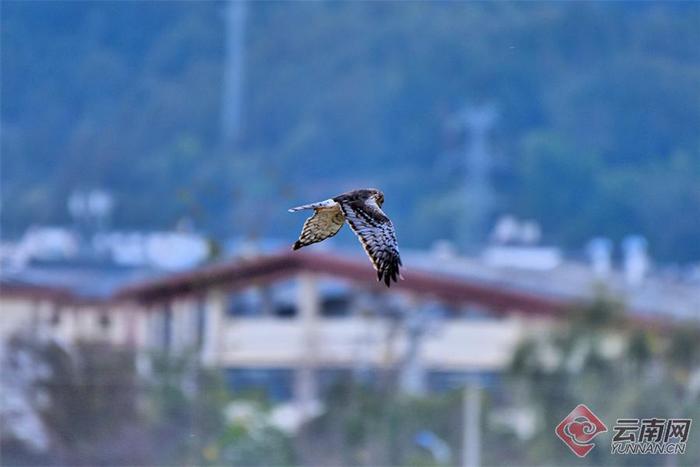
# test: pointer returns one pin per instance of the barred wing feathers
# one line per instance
(325, 223)
(377, 236)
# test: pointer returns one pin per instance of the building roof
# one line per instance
(264, 269)
(453, 281)
(74, 281)
(17, 288)
(655, 296)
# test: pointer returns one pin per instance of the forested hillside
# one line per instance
(598, 130)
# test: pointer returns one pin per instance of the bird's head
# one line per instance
(377, 195)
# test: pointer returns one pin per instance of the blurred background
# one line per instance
(541, 164)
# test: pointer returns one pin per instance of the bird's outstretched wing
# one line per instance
(376, 233)
(325, 223)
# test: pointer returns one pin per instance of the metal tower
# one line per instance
(479, 198)
(231, 113)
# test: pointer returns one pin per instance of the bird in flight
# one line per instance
(362, 209)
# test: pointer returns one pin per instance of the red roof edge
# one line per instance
(264, 269)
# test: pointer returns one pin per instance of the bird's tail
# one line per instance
(329, 203)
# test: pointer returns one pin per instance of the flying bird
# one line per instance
(362, 210)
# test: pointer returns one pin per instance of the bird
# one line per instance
(362, 210)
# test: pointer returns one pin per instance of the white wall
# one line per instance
(345, 342)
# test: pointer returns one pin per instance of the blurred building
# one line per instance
(68, 301)
(290, 324)
(58, 283)
(271, 320)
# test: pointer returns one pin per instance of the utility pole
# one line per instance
(418, 323)
(231, 114)
(471, 416)
(478, 191)
(412, 373)
(308, 304)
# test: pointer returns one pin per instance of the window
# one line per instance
(283, 296)
(246, 303)
(442, 381)
(285, 310)
(275, 384)
(333, 379)
(336, 298)
(335, 307)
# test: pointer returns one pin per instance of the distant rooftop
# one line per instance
(550, 284)
(266, 269)
(570, 280)
(81, 279)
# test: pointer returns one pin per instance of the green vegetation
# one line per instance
(598, 131)
(617, 370)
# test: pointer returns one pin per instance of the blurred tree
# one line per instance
(96, 409)
(87, 400)
(127, 97)
(617, 368)
(250, 439)
(184, 405)
(375, 425)
(558, 186)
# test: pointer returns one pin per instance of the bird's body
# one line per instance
(361, 209)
